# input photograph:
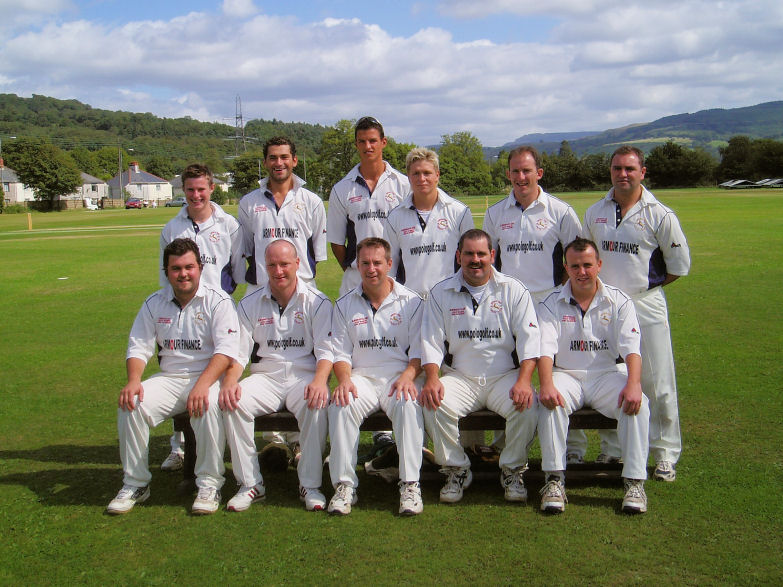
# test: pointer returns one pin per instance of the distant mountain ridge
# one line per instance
(708, 129)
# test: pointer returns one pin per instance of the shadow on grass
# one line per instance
(72, 454)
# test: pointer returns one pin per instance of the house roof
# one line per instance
(87, 178)
(9, 175)
(131, 176)
(176, 181)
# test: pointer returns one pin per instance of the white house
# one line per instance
(139, 184)
(14, 191)
(176, 185)
(89, 194)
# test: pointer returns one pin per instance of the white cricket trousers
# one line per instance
(166, 395)
(659, 382)
(463, 395)
(599, 390)
(344, 423)
(265, 393)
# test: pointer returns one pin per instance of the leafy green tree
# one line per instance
(247, 170)
(766, 159)
(45, 168)
(336, 156)
(672, 165)
(395, 153)
(161, 166)
(463, 169)
(735, 159)
(498, 171)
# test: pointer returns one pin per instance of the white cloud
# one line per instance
(614, 64)
(239, 8)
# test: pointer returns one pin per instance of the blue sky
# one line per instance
(497, 68)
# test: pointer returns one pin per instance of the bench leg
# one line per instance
(188, 484)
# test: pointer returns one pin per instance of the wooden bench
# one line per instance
(583, 419)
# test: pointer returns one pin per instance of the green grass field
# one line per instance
(73, 284)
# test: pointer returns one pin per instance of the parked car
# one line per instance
(176, 202)
(134, 203)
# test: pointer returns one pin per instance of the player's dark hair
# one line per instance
(472, 235)
(629, 150)
(177, 248)
(372, 242)
(196, 170)
(279, 141)
(525, 149)
(580, 244)
(366, 123)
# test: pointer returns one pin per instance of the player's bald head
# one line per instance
(280, 247)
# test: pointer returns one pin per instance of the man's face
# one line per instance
(279, 162)
(197, 193)
(524, 175)
(370, 145)
(183, 273)
(627, 174)
(282, 264)
(476, 260)
(423, 177)
(583, 268)
(373, 266)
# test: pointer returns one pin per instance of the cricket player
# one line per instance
(376, 329)
(285, 331)
(424, 229)
(282, 208)
(643, 249)
(359, 203)
(529, 230)
(219, 238)
(481, 326)
(194, 330)
(585, 327)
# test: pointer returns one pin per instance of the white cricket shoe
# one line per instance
(573, 458)
(457, 480)
(344, 497)
(664, 471)
(514, 486)
(635, 500)
(410, 498)
(313, 499)
(174, 462)
(245, 497)
(207, 501)
(553, 496)
(127, 498)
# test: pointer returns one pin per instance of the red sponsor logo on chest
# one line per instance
(457, 311)
(164, 320)
(407, 231)
(354, 199)
(359, 321)
(507, 226)
(568, 319)
(600, 220)
(260, 208)
(263, 321)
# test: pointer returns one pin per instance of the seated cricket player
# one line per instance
(284, 330)
(196, 331)
(481, 326)
(585, 327)
(375, 335)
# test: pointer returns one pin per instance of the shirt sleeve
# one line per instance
(628, 331)
(225, 328)
(525, 327)
(237, 251)
(550, 331)
(342, 346)
(336, 219)
(164, 235)
(466, 222)
(245, 335)
(322, 330)
(570, 227)
(433, 332)
(319, 231)
(141, 342)
(390, 235)
(245, 222)
(673, 245)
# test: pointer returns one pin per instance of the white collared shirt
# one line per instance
(356, 214)
(422, 252)
(385, 339)
(188, 337)
(592, 340)
(219, 241)
(529, 243)
(300, 220)
(485, 338)
(297, 335)
(639, 250)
